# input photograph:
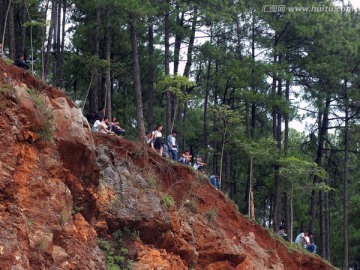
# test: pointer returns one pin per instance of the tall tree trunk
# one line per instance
(169, 108)
(322, 224)
(189, 61)
(319, 157)
(137, 82)
(57, 44)
(327, 220)
(43, 37)
(108, 69)
(23, 28)
(94, 92)
(11, 31)
(277, 137)
(178, 38)
(50, 39)
(191, 45)
(206, 101)
(287, 195)
(62, 47)
(346, 179)
(150, 76)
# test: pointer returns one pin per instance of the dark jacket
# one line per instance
(21, 64)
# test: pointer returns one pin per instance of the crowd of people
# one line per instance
(170, 149)
(100, 123)
(303, 239)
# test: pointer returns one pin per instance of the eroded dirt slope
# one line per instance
(62, 188)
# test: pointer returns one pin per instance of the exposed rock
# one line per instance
(59, 196)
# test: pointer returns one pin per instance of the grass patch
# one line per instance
(6, 88)
(211, 215)
(191, 205)
(45, 129)
(168, 201)
(76, 209)
(116, 253)
(42, 246)
(64, 218)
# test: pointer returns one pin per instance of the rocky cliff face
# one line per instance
(65, 192)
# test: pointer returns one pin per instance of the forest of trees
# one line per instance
(229, 76)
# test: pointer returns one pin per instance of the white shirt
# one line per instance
(157, 134)
(302, 240)
(96, 125)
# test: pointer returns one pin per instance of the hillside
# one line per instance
(66, 192)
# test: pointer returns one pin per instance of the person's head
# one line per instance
(102, 110)
(106, 119)
(113, 119)
(186, 152)
(159, 127)
(92, 113)
(173, 133)
(306, 232)
(282, 227)
(20, 57)
(310, 235)
(148, 133)
(101, 118)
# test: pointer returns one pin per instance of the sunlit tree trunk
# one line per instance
(136, 74)
(108, 69)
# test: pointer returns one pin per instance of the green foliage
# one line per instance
(76, 209)
(263, 148)
(46, 128)
(227, 122)
(115, 249)
(176, 84)
(211, 215)
(292, 166)
(168, 201)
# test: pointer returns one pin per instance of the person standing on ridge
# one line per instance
(173, 147)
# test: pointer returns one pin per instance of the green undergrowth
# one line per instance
(46, 128)
(116, 251)
(211, 215)
(168, 201)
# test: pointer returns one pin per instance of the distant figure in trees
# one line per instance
(100, 113)
(91, 117)
(149, 139)
(115, 127)
(172, 144)
(20, 62)
(199, 164)
(157, 137)
(303, 239)
(186, 158)
(282, 233)
(214, 180)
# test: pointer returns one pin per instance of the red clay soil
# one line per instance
(182, 182)
(41, 183)
(16, 76)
